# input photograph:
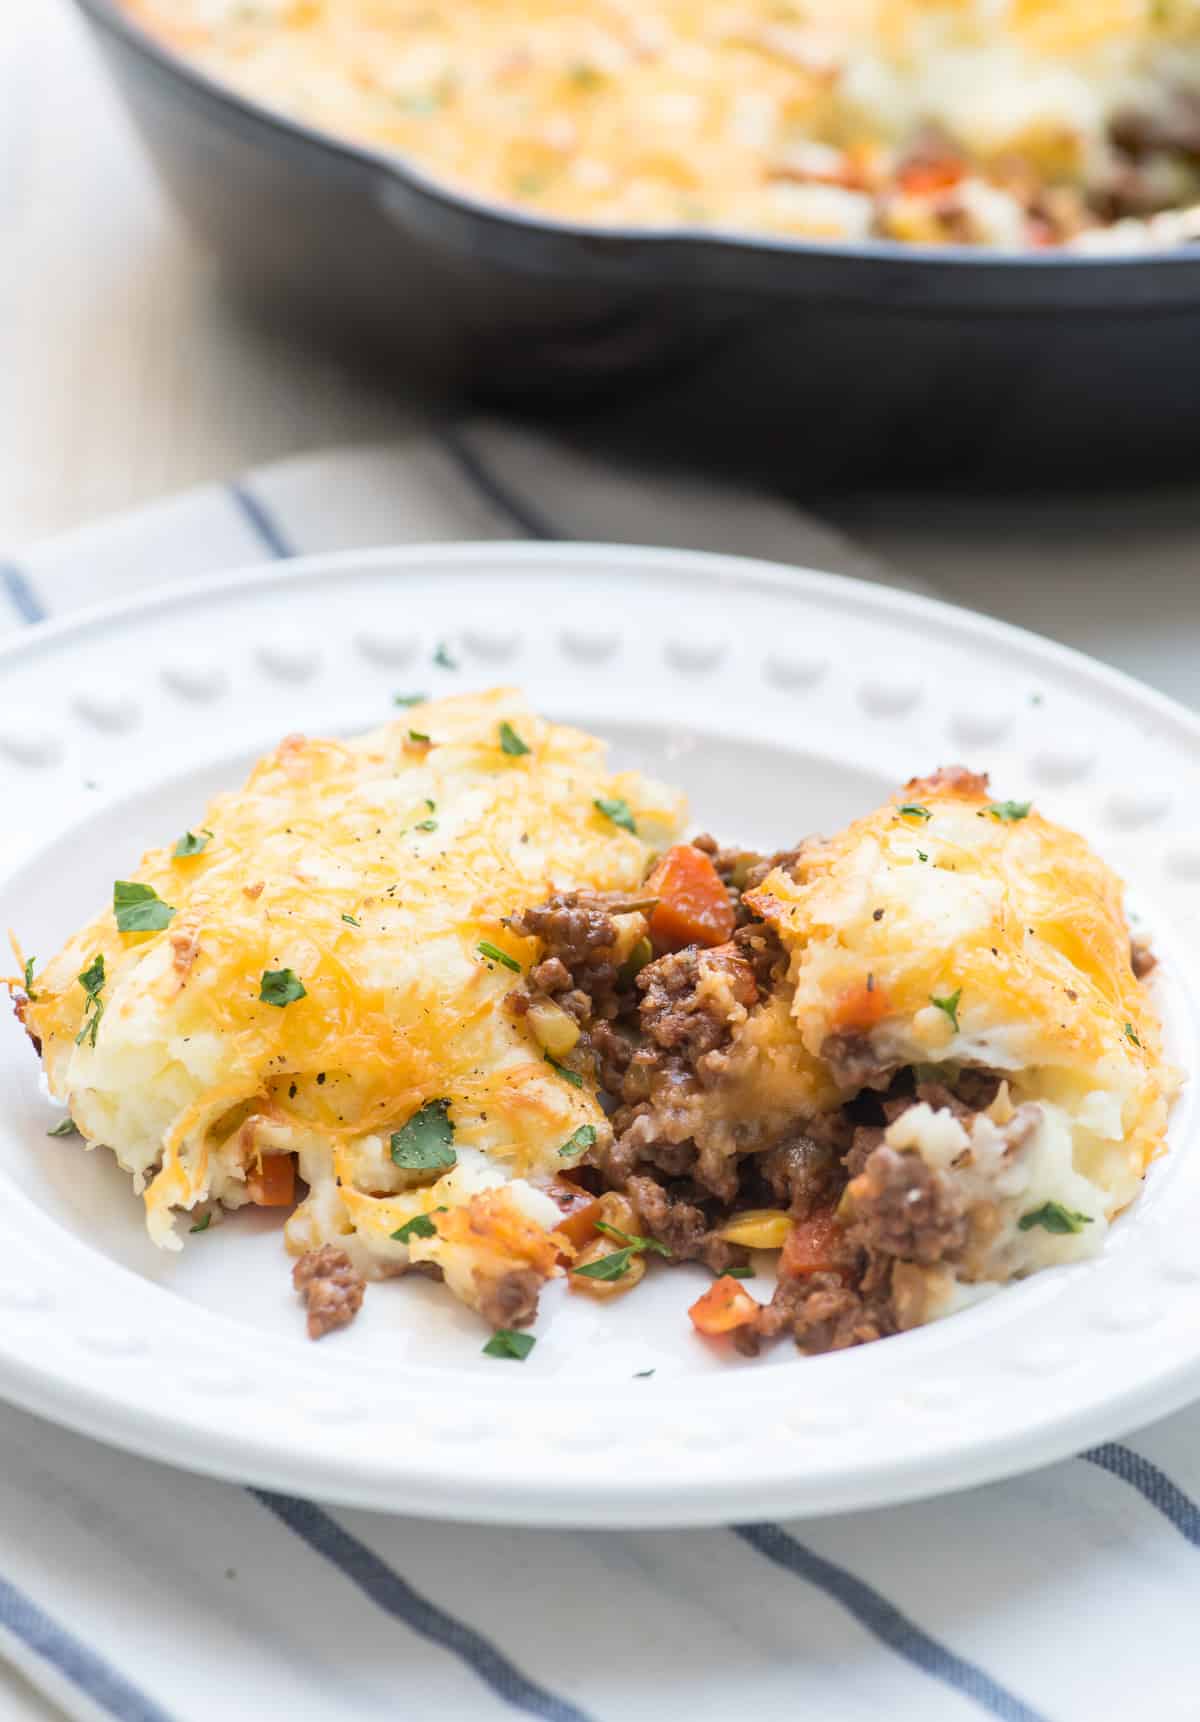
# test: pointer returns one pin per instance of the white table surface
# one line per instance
(124, 372)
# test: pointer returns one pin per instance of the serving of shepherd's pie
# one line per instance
(465, 1003)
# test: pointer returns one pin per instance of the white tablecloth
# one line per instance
(128, 1590)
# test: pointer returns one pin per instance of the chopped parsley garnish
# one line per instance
(1053, 1217)
(1010, 810)
(568, 1075)
(64, 1127)
(746, 1273)
(638, 1245)
(579, 1142)
(203, 1224)
(613, 1267)
(616, 809)
(493, 954)
(424, 1144)
(642, 1374)
(431, 805)
(442, 658)
(191, 843)
(505, 1343)
(949, 1005)
(417, 735)
(350, 921)
(921, 855)
(29, 992)
(425, 825)
(409, 699)
(139, 908)
(1132, 1034)
(914, 810)
(510, 742)
(616, 1265)
(420, 1226)
(281, 987)
(92, 982)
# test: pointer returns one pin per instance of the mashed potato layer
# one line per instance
(322, 968)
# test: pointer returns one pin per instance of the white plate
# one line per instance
(784, 702)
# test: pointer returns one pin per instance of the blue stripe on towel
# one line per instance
(262, 522)
(1152, 1484)
(532, 523)
(395, 1595)
(72, 1659)
(21, 594)
(885, 1622)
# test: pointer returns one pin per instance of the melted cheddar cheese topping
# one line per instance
(813, 120)
(947, 929)
(374, 870)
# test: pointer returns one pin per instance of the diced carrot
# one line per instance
(813, 1246)
(861, 1007)
(273, 1183)
(924, 178)
(724, 1306)
(580, 1211)
(693, 905)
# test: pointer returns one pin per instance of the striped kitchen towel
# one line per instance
(129, 1590)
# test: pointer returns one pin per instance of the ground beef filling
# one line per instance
(332, 1289)
(659, 1037)
(512, 1299)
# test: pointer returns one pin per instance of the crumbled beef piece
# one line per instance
(576, 967)
(571, 925)
(20, 1006)
(802, 1174)
(613, 1049)
(511, 1300)
(1172, 127)
(656, 1138)
(976, 1088)
(1142, 959)
(682, 1225)
(867, 1137)
(834, 1317)
(551, 976)
(829, 1311)
(822, 1313)
(780, 1315)
(785, 859)
(902, 1207)
(955, 779)
(853, 1062)
(331, 1288)
(760, 947)
(685, 1008)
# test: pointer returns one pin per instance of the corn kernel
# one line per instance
(758, 1229)
(554, 1031)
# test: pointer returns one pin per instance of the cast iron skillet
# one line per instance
(810, 364)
